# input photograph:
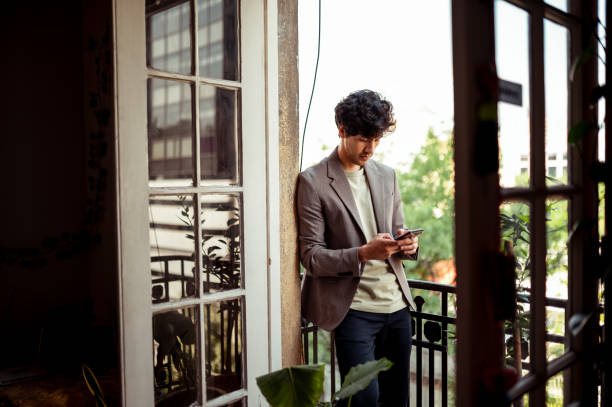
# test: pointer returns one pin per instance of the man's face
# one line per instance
(357, 149)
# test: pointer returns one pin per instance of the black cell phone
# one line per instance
(413, 232)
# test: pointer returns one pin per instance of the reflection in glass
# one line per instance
(556, 43)
(601, 73)
(512, 59)
(554, 390)
(170, 133)
(556, 274)
(219, 134)
(601, 106)
(176, 359)
(169, 36)
(516, 238)
(224, 347)
(218, 39)
(171, 232)
(221, 249)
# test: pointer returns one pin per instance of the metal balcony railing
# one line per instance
(433, 332)
(430, 332)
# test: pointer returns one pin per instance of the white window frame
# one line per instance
(260, 198)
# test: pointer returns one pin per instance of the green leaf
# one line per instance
(360, 376)
(211, 249)
(186, 222)
(297, 386)
(580, 60)
(488, 112)
(577, 322)
(578, 225)
(233, 232)
(93, 386)
(578, 131)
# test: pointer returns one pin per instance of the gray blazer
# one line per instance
(330, 232)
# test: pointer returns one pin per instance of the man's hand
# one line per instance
(381, 247)
(408, 245)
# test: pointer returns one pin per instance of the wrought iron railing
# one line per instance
(173, 276)
(432, 332)
(163, 277)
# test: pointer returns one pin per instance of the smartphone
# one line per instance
(413, 232)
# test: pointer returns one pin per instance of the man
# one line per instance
(354, 284)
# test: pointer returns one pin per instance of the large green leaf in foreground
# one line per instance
(297, 386)
(360, 376)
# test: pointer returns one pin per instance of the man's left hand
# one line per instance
(408, 245)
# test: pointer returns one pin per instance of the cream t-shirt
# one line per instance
(378, 290)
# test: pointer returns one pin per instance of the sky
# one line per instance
(394, 48)
(402, 49)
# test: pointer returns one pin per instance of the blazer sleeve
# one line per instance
(317, 259)
(398, 217)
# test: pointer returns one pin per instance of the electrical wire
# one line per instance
(314, 82)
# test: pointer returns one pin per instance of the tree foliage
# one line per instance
(427, 191)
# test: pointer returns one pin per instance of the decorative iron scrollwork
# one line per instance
(433, 331)
(157, 292)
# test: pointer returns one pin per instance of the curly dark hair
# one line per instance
(366, 113)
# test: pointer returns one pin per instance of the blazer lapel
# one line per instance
(340, 184)
(376, 184)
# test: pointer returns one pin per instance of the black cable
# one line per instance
(314, 82)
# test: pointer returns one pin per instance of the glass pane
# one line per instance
(221, 237)
(554, 391)
(169, 36)
(601, 72)
(556, 275)
(560, 4)
(601, 135)
(556, 43)
(218, 39)
(176, 358)
(512, 59)
(171, 232)
(170, 129)
(219, 112)
(224, 347)
(516, 237)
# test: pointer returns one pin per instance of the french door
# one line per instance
(194, 201)
(520, 184)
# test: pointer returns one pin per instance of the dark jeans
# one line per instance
(364, 336)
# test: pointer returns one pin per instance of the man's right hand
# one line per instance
(381, 247)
